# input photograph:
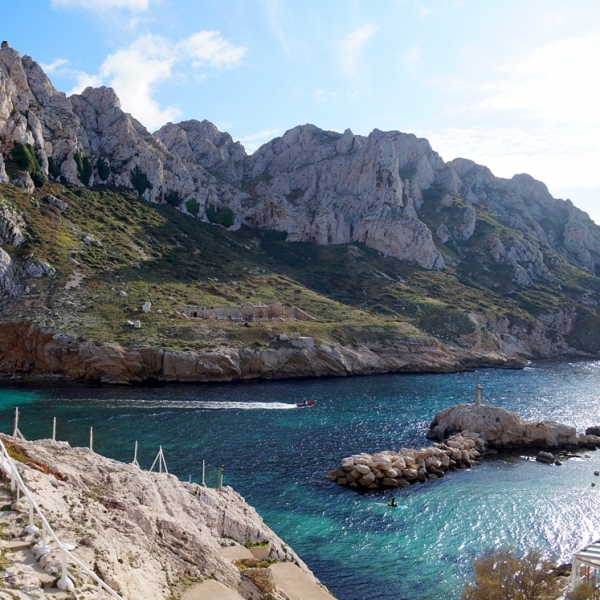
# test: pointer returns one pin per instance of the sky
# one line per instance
(511, 84)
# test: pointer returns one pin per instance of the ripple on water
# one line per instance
(277, 458)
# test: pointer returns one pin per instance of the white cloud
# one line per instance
(276, 16)
(424, 11)
(537, 114)
(135, 72)
(254, 141)
(102, 5)
(411, 58)
(209, 48)
(55, 66)
(556, 81)
(323, 96)
(60, 67)
(352, 46)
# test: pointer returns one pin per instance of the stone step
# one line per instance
(14, 546)
(211, 590)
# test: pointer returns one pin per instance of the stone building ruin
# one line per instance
(4, 45)
(246, 312)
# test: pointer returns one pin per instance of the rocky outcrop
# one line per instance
(501, 428)
(146, 534)
(27, 351)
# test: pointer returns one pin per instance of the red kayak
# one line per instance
(306, 403)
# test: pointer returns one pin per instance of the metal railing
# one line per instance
(16, 482)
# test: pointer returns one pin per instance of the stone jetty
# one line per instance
(391, 469)
(466, 432)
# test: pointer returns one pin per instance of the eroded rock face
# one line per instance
(501, 428)
(319, 186)
(26, 351)
(142, 532)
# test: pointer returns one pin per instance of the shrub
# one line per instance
(275, 236)
(173, 198)
(583, 591)
(192, 206)
(84, 168)
(139, 181)
(500, 575)
(24, 157)
(103, 169)
(225, 217)
(53, 168)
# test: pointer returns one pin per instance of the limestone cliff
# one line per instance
(148, 535)
(28, 352)
(482, 269)
(316, 185)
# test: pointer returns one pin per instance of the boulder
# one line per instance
(367, 480)
(57, 202)
(362, 469)
(545, 457)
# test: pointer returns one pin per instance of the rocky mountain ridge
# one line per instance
(315, 185)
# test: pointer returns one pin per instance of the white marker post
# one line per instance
(135, 460)
(54, 429)
(16, 432)
(91, 439)
(160, 457)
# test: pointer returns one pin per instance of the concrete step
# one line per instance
(15, 545)
(211, 590)
(296, 583)
(236, 552)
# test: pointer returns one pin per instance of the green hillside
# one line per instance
(155, 253)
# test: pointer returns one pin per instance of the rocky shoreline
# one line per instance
(466, 433)
(28, 352)
(149, 536)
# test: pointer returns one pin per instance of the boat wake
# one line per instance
(197, 404)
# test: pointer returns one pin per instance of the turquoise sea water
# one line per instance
(277, 456)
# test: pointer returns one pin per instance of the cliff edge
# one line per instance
(148, 535)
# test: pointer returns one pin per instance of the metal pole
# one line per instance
(160, 459)
(92, 439)
(16, 429)
(135, 460)
(54, 429)
(203, 471)
(99, 591)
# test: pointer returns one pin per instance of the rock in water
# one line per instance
(545, 457)
(501, 428)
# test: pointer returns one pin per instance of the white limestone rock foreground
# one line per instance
(142, 532)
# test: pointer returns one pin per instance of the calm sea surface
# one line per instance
(277, 456)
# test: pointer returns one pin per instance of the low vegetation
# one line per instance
(155, 253)
(502, 575)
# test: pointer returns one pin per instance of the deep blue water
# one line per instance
(277, 456)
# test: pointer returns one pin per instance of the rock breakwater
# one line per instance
(391, 469)
(466, 433)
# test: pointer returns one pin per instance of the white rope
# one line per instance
(8, 466)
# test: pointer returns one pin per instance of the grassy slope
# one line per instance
(154, 252)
